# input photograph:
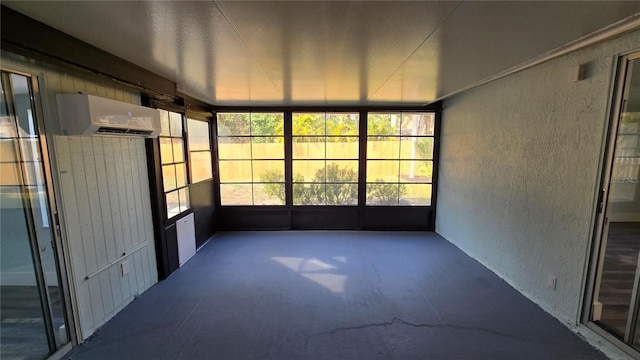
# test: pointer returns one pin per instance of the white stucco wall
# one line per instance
(519, 168)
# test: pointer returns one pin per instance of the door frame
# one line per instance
(600, 227)
(60, 252)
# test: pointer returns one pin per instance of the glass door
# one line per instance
(616, 297)
(32, 307)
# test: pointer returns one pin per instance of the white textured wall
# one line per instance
(103, 195)
(518, 173)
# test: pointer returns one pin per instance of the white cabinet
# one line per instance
(186, 238)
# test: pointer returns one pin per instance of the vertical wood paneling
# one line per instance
(73, 230)
(111, 187)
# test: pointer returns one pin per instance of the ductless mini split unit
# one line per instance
(82, 114)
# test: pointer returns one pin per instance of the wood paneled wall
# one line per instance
(103, 196)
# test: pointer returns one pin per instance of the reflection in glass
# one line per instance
(621, 231)
(235, 171)
(28, 303)
(236, 194)
(201, 166)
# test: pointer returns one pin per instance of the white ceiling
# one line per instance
(317, 53)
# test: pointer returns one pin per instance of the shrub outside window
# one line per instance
(400, 158)
(325, 158)
(251, 158)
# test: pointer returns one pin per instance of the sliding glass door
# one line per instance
(32, 307)
(616, 297)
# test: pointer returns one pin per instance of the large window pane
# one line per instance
(234, 148)
(235, 171)
(267, 147)
(173, 203)
(308, 194)
(166, 150)
(198, 135)
(175, 124)
(236, 194)
(383, 147)
(178, 149)
(169, 177)
(309, 147)
(308, 124)
(415, 194)
(342, 171)
(342, 148)
(342, 124)
(383, 170)
(383, 123)
(268, 194)
(200, 166)
(309, 171)
(268, 170)
(418, 123)
(416, 171)
(184, 199)
(181, 175)
(383, 193)
(164, 123)
(416, 148)
(267, 124)
(341, 194)
(234, 124)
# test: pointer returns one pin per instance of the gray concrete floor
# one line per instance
(333, 295)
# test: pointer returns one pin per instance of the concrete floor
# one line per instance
(333, 295)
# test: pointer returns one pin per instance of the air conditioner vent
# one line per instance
(82, 114)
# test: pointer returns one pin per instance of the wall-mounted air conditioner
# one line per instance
(82, 114)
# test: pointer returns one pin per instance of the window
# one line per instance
(325, 158)
(251, 158)
(199, 150)
(174, 163)
(399, 158)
